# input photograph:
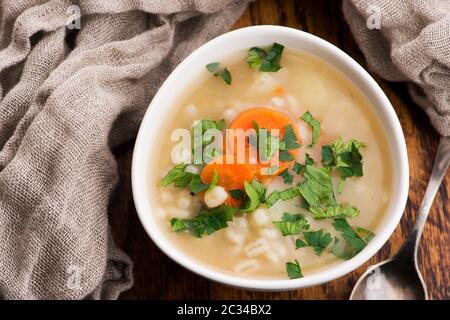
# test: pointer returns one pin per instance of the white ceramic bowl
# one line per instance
(164, 103)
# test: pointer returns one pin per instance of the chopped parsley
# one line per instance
(180, 178)
(299, 168)
(206, 223)
(317, 192)
(287, 177)
(286, 194)
(345, 158)
(176, 173)
(265, 61)
(355, 242)
(315, 239)
(215, 69)
(293, 270)
(315, 125)
(290, 140)
(291, 224)
(237, 194)
(201, 139)
(256, 193)
(214, 181)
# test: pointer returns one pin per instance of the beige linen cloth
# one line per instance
(411, 44)
(67, 97)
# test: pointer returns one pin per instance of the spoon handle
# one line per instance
(440, 167)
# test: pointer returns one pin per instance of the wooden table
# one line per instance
(158, 277)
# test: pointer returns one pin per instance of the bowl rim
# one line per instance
(335, 271)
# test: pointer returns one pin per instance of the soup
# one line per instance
(302, 186)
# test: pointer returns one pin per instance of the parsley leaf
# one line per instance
(255, 57)
(256, 193)
(335, 211)
(315, 239)
(341, 250)
(315, 125)
(265, 61)
(201, 140)
(281, 195)
(349, 235)
(196, 184)
(291, 224)
(287, 177)
(367, 235)
(207, 222)
(293, 270)
(176, 173)
(317, 189)
(290, 139)
(237, 194)
(285, 156)
(346, 158)
(225, 74)
(300, 168)
(214, 181)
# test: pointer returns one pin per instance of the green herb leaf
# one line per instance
(213, 67)
(201, 140)
(317, 189)
(299, 243)
(271, 62)
(285, 156)
(225, 74)
(346, 158)
(349, 235)
(237, 194)
(287, 177)
(176, 173)
(293, 270)
(290, 139)
(256, 193)
(214, 181)
(286, 194)
(342, 250)
(328, 156)
(317, 240)
(335, 211)
(367, 235)
(255, 57)
(196, 184)
(298, 168)
(291, 224)
(207, 222)
(265, 61)
(315, 125)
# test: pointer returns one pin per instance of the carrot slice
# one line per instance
(231, 176)
(267, 119)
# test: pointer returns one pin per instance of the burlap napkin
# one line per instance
(67, 97)
(408, 40)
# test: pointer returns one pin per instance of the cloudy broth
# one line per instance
(251, 246)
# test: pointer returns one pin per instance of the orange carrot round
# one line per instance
(231, 176)
(266, 119)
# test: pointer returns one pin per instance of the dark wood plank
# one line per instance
(157, 277)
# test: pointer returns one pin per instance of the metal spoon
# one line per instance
(399, 278)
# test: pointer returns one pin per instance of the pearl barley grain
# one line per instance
(215, 197)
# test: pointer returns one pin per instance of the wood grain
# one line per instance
(158, 277)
